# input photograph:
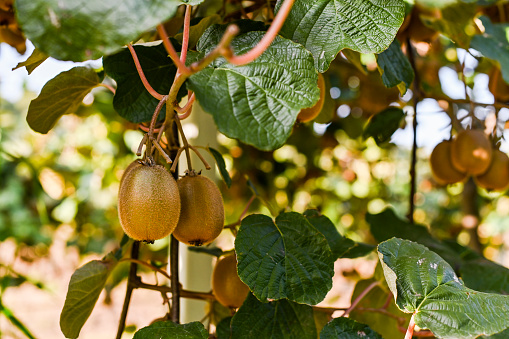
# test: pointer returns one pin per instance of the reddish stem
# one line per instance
(410, 331)
(108, 87)
(360, 297)
(171, 51)
(185, 111)
(266, 40)
(144, 80)
(146, 129)
(185, 39)
(162, 101)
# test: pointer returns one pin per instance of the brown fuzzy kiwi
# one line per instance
(227, 287)
(202, 212)
(310, 113)
(496, 178)
(148, 202)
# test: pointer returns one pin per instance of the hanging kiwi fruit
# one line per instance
(202, 211)
(227, 287)
(148, 202)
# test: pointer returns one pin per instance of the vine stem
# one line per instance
(110, 88)
(131, 282)
(413, 164)
(162, 101)
(410, 331)
(144, 80)
(185, 38)
(175, 283)
(360, 297)
(181, 66)
(267, 39)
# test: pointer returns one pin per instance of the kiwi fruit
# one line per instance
(202, 211)
(148, 202)
(227, 287)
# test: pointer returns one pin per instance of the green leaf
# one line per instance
(170, 330)
(221, 166)
(61, 95)
(325, 27)
(15, 321)
(494, 44)
(79, 30)
(132, 101)
(477, 272)
(424, 284)
(287, 258)
(387, 224)
(395, 68)
(383, 125)
(276, 320)
(35, 59)
(85, 287)
(341, 247)
(223, 328)
(257, 103)
(348, 329)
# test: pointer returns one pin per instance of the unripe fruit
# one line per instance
(308, 114)
(496, 178)
(229, 290)
(471, 152)
(441, 165)
(202, 212)
(148, 203)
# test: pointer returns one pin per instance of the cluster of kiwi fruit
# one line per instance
(9, 28)
(470, 153)
(153, 205)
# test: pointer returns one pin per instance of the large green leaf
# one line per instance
(477, 272)
(257, 103)
(287, 258)
(395, 68)
(494, 44)
(341, 247)
(424, 284)
(132, 101)
(347, 329)
(325, 27)
(79, 30)
(170, 330)
(85, 287)
(61, 95)
(281, 319)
